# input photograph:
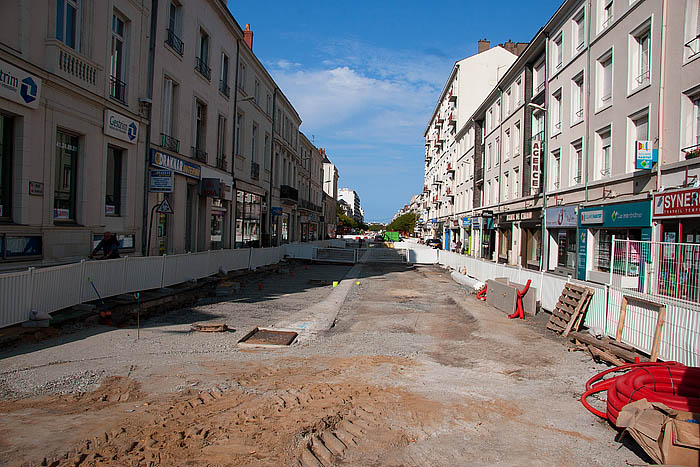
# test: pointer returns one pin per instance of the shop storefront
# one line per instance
(488, 235)
(678, 215)
(505, 237)
(562, 239)
(531, 239)
(467, 235)
(456, 241)
(598, 225)
(248, 219)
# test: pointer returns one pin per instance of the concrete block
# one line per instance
(501, 296)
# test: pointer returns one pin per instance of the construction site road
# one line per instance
(409, 370)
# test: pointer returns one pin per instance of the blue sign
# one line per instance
(177, 165)
(276, 211)
(161, 181)
(646, 155)
(466, 221)
(582, 251)
(132, 131)
(28, 90)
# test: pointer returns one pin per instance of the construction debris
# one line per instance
(570, 310)
(617, 349)
(211, 327)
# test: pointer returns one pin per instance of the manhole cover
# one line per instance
(263, 337)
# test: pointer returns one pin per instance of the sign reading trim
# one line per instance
(19, 86)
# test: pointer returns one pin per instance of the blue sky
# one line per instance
(365, 76)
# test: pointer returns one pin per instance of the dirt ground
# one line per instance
(415, 372)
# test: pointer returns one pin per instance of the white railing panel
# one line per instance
(596, 315)
(15, 297)
(552, 287)
(299, 250)
(143, 273)
(680, 339)
(171, 274)
(57, 287)
(264, 256)
(236, 260)
(423, 256)
(197, 265)
(107, 277)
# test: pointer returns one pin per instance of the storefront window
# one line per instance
(504, 243)
(216, 230)
(248, 219)
(65, 177)
(534, 246)
(113, 192)
(285, 228)
(603, 250)
(566, 246)
(6, 134)
(20, 247)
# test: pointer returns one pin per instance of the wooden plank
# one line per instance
(576, 314)
(571, 302)
(582, 315)
(622, 345)
(605, 344)
(621, 320)
(657, 333)
(578, 288)
(608, 357)
(559, 314)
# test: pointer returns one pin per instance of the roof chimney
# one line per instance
(248, 36)
(484, 45)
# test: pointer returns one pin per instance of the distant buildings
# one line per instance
(352, 199)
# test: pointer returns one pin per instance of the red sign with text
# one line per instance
(677, 203)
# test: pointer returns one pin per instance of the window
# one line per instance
(117, 86)
(253, 148)
(556, 170)
(201, 62)
(266, 149)
(638, 131)
(507, 102)
(607, 14)
(538, 125)
(200, 130)
(577, 162)
(691, 48)
(174, 31)
(68, 22)
(516, 183)
(489, 155)
(6, 139)
(223, 83)
(242, 69)
(516, 92)
(641, 58)
(497, 148)
(257, 92)
(558, 52)
(65, 188)
(539, 79)
(268, 109)
(641, 127)
(577, 97)
(167, 135)
(556, 112)
(604, 154)
(239, 124)
(489, 120)
(113, 192)
(579, 32)
(506, 145)
(605, 80)
(516, 138)
(488, 193)
(696, 109)
(506, 183)
(496, 190)
(221, 143)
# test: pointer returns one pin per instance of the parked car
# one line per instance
(434, 243)
(378, 238)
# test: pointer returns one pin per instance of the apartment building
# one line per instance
(352, 199)
(73, 128)
(330, 195)
(469, 82)
(310, 190)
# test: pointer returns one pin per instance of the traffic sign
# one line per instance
(164, 208)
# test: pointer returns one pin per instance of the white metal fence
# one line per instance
(54, 288)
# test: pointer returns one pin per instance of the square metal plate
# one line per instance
(266, 337)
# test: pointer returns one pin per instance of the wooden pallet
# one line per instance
(570, 310)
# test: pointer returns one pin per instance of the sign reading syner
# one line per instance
(677, 203)
(19, 86)
(121, 127)
(165, 161)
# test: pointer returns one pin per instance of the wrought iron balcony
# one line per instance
(224, 88)
(199, 154)
(691, 152)
(169, 143)
(117, 89)
(200, 65)
(289, 193)
(254, 170)
(693, 45)
(221, 162)
(452, 97)
(174, 42)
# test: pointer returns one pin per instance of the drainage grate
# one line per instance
(263, 337)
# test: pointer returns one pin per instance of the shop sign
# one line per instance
(121, 127)
(161, 181)
(433, 221)
(582, 252)
(314, 217)
(276, 211)
(535, 167)
(19, 86)
(526, 215)
(560, 217)
(646, 155)
(677, 204)
(36, 188)
(61, 213)
(476, 223)
(210, 187)
(466, 222)
(177, 165)
(511, 217)
(487, 214)
(592, 217)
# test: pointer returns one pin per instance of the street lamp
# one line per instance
(536, 106)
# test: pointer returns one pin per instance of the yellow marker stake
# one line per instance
(335, 284)
(358, 282)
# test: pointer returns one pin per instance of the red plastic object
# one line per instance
(675, 385)
(519, 312)
(482, 294)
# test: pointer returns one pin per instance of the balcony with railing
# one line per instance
(169, 143)
(691, 152)
(117, 89)
(200, 65)
(289, 194)
(452, 120)
(199, 154)
(221, 162)
(450, 169)
(224, 88)
(426, 189)
(71, 65)
(254, 170)
(174, 42)
(452, 97)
